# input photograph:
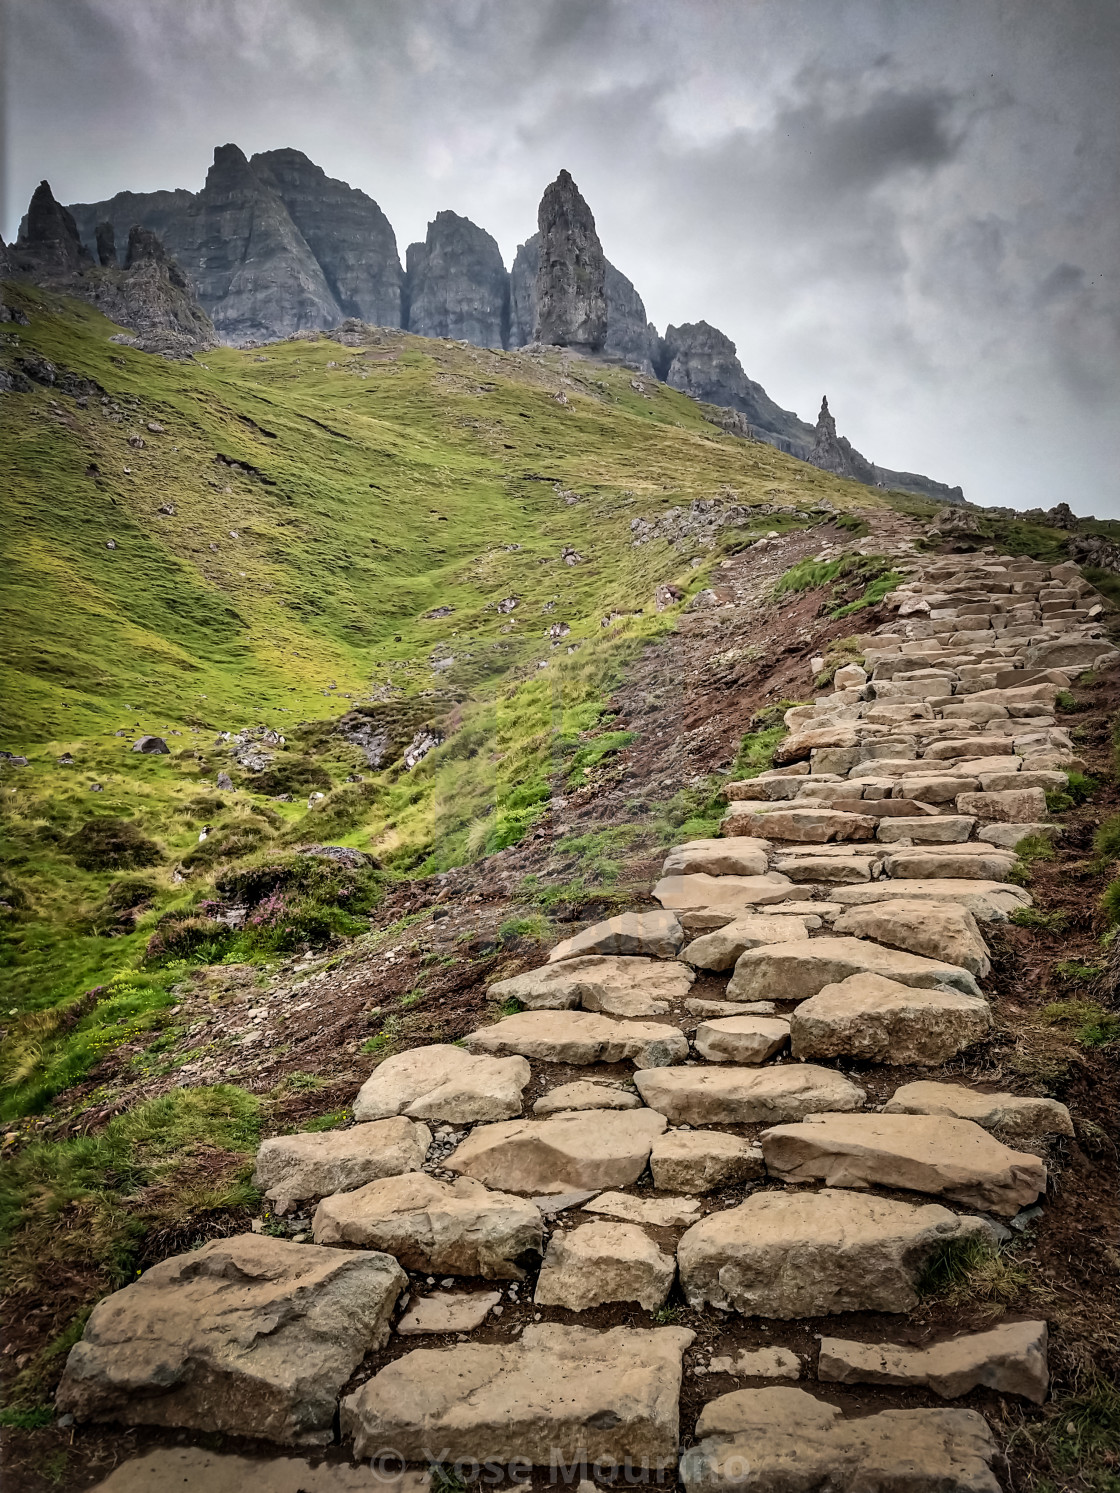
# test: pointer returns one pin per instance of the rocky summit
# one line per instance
(538, 931)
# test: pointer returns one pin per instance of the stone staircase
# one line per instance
(725, 1148)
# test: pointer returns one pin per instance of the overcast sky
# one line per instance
(910, 205)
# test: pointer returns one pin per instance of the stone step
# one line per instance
(612, 984)
(796, 970)
(1013, 1114)
(944, 829)
(448, 1228)
(600, 1263)
(580, 1037)
(919, 1153)
(193, 1469)
(808, 826)
(784, 1438)
(813, 1254)
(693, 1161)
(880, 1020)
(657, 934)
(442, 1312)
(734, 894)
(741, 855)
(302, 1168)
(987, 901)
(248, 1335)
(741, 1039)
(442, 1082)
(660, 1213)
(745, 1096)
(973, 861)
(937, 930)
(558, 1393)
(720, 949)
(1010, 1358)
(586, 1094)
(593, 1148)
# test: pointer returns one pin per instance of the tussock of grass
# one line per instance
(1087, 1023)
(1034, 917)
(970, 1270)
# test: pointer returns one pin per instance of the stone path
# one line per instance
(847, 904)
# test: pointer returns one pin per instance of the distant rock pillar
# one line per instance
(571, 271)
(106, 240)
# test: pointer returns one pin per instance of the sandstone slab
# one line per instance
(987, 901)
(1009, 807)
(959, 862)
(453, 1228)
(1010, 1359)
(660, 1213)
(294, 1169)
(741, 1039)
(693, 1161)
(745, 1096)
(883, 1021)
(588, 1148)
(734, 855)
(814, 826)
(193, 1469)
(444, 1312)
(1013, 1114)
(759, 1363)
(944, 829)
(811, 1254)
(795, 970)
(733, 893)
(698, 1007)
(765, 1440)
(613, 984)
(920, 1153)
(603, 1262)
(580, 1037)
(938, 930)
(833, 870)
(657, 934)
(586, 1094)
(442, 1082)
(557, 1392)
(250, 1335)
(720, 949)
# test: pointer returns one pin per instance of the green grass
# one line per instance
(1079, 1436)
(973, 1269)
(1088, 1023)
(873, 572)
(1034, 917)
(1034, 848)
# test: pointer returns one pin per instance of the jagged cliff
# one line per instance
(700, 360)
(457, 285)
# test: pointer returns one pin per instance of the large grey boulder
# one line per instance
(811, 1254)
(249, 1335)
(568, 1393)
(453, 1228)
(571, 271)
(781, 1438)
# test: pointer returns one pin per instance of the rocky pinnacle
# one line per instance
(571, 273)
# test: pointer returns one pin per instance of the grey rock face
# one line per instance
(350, 237)
(833, 453)
(48, 238)
(700, 360)
(106, 238)
(571, 271)
(631, 338)
(457, 284)
(523, 292)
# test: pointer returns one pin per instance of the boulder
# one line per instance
(659, 1213)
(449, 1228)
(883, 1021)
(794, 970)
(739, 855)
(614, 984)
(581, 1037)
(302, 1168)
(443, 1312)
(604, 1262)
(1013, 1114)
(741, 1039)
(586, 1093)
(745, 1096)
(657, 934)
(938, 930)
(153, 746)
(1014, 806)
(735, 893)
(568, 1393)
(785, 1439)
(920, 1153)
(702, 1160)
(1010, 1358)
(720, 949)
(812, 1254)
(442, 1082)
(987, 901)
(248, 1335)
(586, 1148)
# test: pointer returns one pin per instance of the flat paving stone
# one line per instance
(614, 984)
(580, 1037)
(813, 1254)
(248, 1335)
(442, 1082)
(745, 1096)
(595, 1148)
(656, 934)
(919, 1153)
(1013, 1114)
(570, 1393)
(785, 1439)
(883, 1021)
(1010, 1358)
(442, 1311)
(448, 1228)
(795, 970)
(307, 1166)
(735, 855)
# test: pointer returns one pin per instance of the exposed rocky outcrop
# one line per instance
(833, 453)
(457, 285)
(106, 238)
(700, 360)
(49, 244)
(571, 271)
(523, 292)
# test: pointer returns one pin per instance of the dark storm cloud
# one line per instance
(913, 207)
